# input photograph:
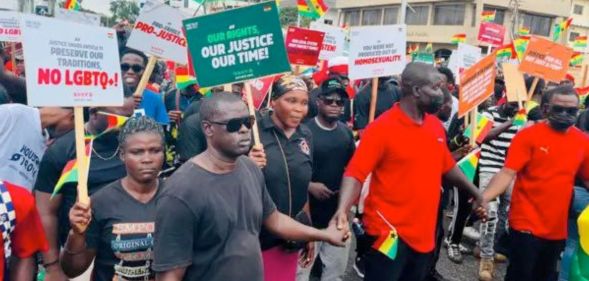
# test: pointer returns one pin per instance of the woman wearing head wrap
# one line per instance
(286, 162)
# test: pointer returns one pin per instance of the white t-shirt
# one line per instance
(21, 144)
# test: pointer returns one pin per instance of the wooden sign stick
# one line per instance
(373, 97)
(584, 81)
(533, 88)
(81, 155)
(250, 106)
(145, 78)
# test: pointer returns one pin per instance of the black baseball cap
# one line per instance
(333, 85)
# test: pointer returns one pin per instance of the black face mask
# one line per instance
(434, 105)
(561, 121)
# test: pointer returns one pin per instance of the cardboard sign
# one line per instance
(476, 85)
(423, 57)
(491, 33)
(303, 45)
(158, 31)
(79, 67)
(546, 59)
(334, 41)
(515, 86)
(10, 26)
(374, 55)
(237, 45)
(260, 88)
(77, 16)
(464, 57)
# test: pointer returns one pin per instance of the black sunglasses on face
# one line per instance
(135, 67)
(328, 101)
(560, 109)
(233, 125)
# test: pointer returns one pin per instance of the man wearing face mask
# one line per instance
(105, 167)
(545, 157)
(405, 186)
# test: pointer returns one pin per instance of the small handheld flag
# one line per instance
(576, 59)
(488, 16)
(387, 244)
(579, 270)
(523, 31)
(484, 126)
(458, 38)
(506, 52)
(581, 42)
(520, 118)
(70, 172)
(113, 121)
(72, 5)
(469, 163)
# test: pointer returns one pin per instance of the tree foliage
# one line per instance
(124, 10)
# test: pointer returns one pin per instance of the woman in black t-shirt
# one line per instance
(120, 222)
(288, 153)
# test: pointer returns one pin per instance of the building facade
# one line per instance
(436, 21)
(580, 25)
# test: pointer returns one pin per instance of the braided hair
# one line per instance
(141, 124)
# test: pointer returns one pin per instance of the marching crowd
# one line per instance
(185, 193)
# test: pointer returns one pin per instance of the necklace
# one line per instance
(105, 158)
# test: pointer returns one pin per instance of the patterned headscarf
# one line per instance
(288, 83)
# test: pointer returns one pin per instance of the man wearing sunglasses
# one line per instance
(211, 214)
(544, 160)
(333, 147)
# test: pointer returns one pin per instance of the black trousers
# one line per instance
(462, 209)
(409, 265)
(532, 258)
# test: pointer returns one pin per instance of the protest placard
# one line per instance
(491, 33)
(77, 16)
(464, 57)
(334, 41)
(476, 85)
(10, 27)
(303, 45)
(260, 89)
(423, 57)
(515, 86)
(374, 55)
(546, 59)
(158, 32)
(76, 68)
(237, 45)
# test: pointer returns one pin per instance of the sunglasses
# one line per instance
(136, 67)
(233, 125)
(561, 109)
(328, 101)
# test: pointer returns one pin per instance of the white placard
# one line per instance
(77, 16)
(374, 55)
(79, 67)
(10, 26)
(334, 41)
(463, 58)
(158, 31)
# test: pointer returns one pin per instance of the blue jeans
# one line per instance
(580, 202)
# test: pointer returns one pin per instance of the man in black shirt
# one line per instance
(210, 213)
(388, 94)
(334, 146)
(105, 167)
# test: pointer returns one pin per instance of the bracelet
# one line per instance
(46, 265)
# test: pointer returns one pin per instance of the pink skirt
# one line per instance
(280, 265)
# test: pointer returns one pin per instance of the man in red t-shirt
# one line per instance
(26, 239)
(544, 159)
(407, 169)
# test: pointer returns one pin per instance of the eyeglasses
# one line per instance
(328, 101)
(233, 125)
(560, 109)
(136, 67)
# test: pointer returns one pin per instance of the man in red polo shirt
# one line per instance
(407, 169)
(544, 159)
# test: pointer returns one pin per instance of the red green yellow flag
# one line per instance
(506, 51)
(520, 45)
(520, 118)
(581, 42)
(577, 59)
(184, 78)
(70, 172)
(583, 93)
(580, 262)
(488, 16)
(484, 126)
(429, 48)
(523, 31)
(113, 121)
(388, 243)
(469, 163)
(459, 38)
(319, 6)
(72, 5)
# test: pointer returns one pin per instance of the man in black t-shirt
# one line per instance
(211, 210)
(334, 146)
(105, 167)
(388, 95)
